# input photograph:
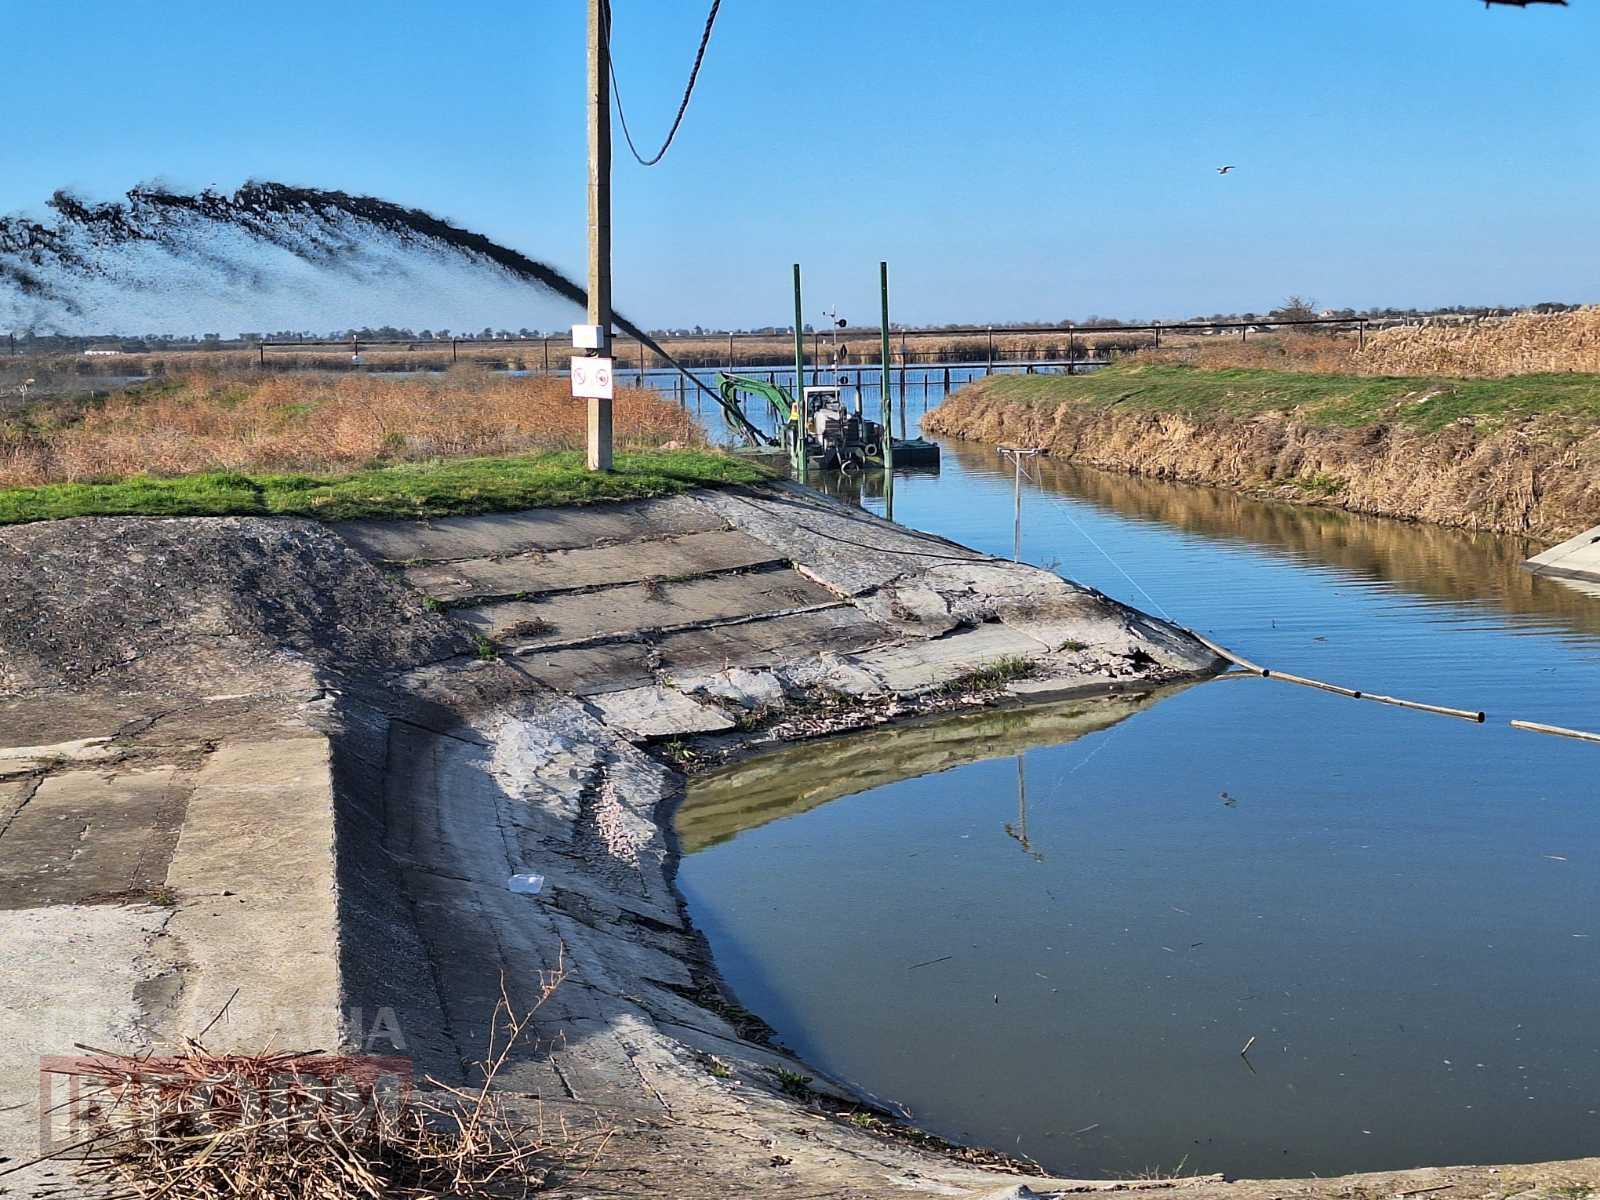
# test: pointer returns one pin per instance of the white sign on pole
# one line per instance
(591, 378)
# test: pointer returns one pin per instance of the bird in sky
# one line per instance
(1223, 170)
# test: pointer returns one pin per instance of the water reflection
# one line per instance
(1445, 564)
(795, 780)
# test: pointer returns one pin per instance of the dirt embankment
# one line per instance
(1538, 476)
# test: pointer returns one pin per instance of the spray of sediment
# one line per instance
(266, 257)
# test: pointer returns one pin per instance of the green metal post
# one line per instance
(797, 412)
(888, 408)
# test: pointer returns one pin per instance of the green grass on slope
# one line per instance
(1424, 403)
(454, 487)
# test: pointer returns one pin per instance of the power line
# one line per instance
(694, 73)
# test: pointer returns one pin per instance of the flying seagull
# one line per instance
(1524, 3)
(1223, 170)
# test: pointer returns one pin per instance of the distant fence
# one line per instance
(1058, 345)
(856, 346)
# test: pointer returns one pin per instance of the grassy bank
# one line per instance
(1344, 401)
(1519, 454)
(449, 488)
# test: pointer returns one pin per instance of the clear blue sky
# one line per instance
(1038, 159)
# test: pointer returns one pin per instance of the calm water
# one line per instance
(1052, 931)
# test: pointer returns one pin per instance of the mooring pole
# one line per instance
(599, 105)
(797, 409)
(1016, 510)
(730, 352)
(1016, 454)
(888, 408)
(989, 370)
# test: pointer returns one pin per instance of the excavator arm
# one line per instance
(730, 388)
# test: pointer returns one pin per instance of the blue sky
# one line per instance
(1039, 159)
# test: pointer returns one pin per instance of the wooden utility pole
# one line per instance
(888, 367)
(599, 105)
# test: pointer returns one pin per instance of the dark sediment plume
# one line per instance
(267, 256)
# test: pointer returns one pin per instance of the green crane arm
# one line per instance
(729, 389)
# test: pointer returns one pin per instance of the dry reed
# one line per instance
(1524, 344)
(200, 1125)
(316, 423)
(1329, 354)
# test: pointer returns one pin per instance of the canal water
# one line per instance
(1053, 930)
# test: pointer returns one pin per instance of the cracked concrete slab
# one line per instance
(256, 927)
(71, 978)
(842, 548)
(751, 691)
(27, 760)
(767, 640)
(923, 665)
(13, 795)
(87, 835)
(591, 670)
(538, 529)
(564, 570)
(654, 712)
(639, 607)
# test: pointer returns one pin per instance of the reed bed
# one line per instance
(1329, 354)
(315, 423)
(1525, 344)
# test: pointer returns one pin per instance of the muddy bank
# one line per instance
(1538, 476)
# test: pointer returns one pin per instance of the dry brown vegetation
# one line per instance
(314, 423)
(1526, 344)
(202, 1125)
(1333, 354)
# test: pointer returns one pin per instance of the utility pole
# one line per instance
(599, 105)
(888, 409)
(798, 415)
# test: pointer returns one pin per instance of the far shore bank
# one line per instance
(1511, 455)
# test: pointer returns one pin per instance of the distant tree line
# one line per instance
(1293, 308)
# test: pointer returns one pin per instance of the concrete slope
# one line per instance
(1576, 558)
(252, 778)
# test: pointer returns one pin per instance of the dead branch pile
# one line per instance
(1520, 345)
(198, 1125)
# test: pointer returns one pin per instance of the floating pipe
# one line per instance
(1463, 714)
(1556, 731)
(1351, 693)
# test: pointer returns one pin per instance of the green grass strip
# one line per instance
(455, 487)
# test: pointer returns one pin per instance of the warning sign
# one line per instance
(591, 378)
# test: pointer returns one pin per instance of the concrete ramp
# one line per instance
(1575, 558)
